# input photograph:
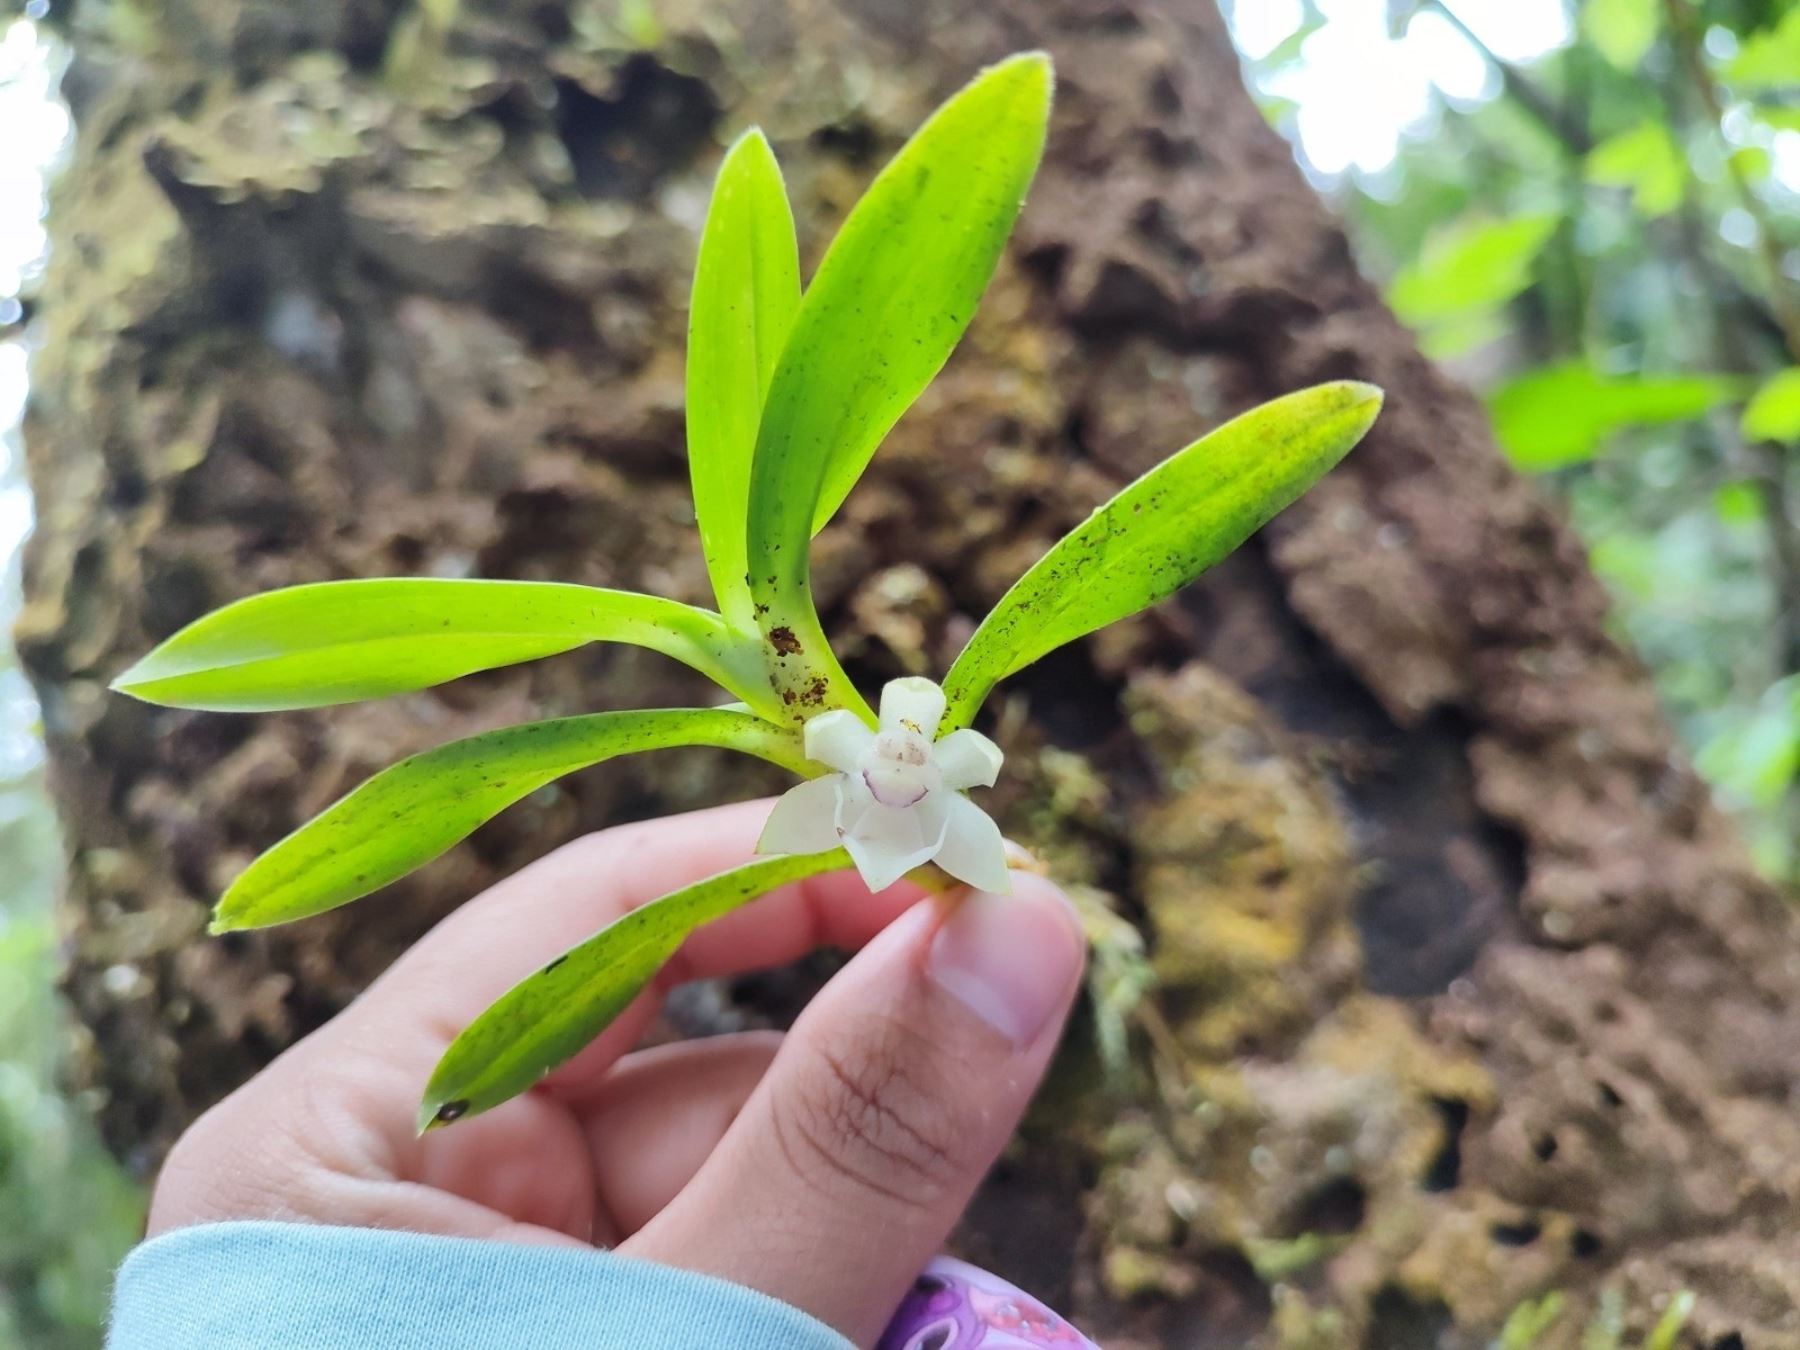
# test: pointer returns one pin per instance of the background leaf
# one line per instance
(1622, 31)
(1561, 415)
(1646, 160)
(746, 290)
(555, 1011)
(1469, 268)
(408, 814)
(340, 641)
(1769, 59)
(1773, 413)
(1664, 1335)
(891, 298)
(1162, 531)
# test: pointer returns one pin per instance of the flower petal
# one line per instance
(839, 739)
(912, 703)
(973, 850)
(804, 819)
(889, 841)
(968, 759)
(854, 798)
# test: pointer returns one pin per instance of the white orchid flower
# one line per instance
(896, 800)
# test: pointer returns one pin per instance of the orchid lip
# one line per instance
(878, 795)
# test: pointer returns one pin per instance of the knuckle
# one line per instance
(868, 1114)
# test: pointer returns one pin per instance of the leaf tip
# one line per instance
(435, 1113)
(751, 141)
(1031, 70)
(228, 915)
(132, 680)
(1363, 402)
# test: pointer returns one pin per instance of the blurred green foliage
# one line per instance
(1608, 249)
(68, 1212)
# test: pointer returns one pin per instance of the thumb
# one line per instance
(883, 1109)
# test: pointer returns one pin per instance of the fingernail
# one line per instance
(1009, 959)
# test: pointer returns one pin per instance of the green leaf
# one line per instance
(551, 1014)
(1561, 415)
(1622, 31)
(1738, 504)
(1531, 1321)
(340, 641)
(1769, 59)
(1669, 1326)
(891, 298)
(1773, 413)
(1469, 267)
(1752, 163)
(407, 815)
(1292, 48)
(746, 290)
(1465, 333)
(1162, 531)
(1755, 756)
(1646, 160)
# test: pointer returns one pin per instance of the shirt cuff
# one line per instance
(268, 1284)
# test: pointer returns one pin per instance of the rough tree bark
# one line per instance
(1464, 991)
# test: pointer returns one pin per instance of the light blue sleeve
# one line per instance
(265, 1285)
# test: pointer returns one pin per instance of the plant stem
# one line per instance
(1762, 464)
(1781, 297)
(1766, 463)
(1521, 88)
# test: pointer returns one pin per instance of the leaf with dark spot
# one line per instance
(551, 1014)
(1186, 514)
(408, 814)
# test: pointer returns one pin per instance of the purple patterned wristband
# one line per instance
(956, 1306)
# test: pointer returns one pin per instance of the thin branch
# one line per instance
(1781, 297)
(1522, 89)
(1763, 464)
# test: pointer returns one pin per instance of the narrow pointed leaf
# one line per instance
(341, 641)
(407, 815)
(1163, 531)
(551, 1014)
(890, 300)
(746, 289)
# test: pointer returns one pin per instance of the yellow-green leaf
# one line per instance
(341, 641)
(555, 1011)
(407, 815)
(1773, 413)
(1769, 59)
(1163, 531)
(1621, 30)
(1469, 267)
(890, 300)
(1561, 415)
(1646, 160)
(746, 289)
(1664, 1335)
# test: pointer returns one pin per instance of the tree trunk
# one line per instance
(1463, 993)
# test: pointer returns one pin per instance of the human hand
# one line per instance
(823, 1167)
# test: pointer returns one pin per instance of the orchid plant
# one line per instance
(788, 395)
